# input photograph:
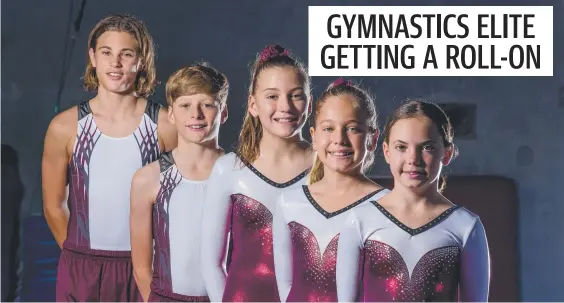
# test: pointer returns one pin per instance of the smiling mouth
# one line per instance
(286, 120)
(196, 127)
(115, 74)
(341, 153)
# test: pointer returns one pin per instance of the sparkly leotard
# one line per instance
(237, 232)
(307, 247)
(444, 260)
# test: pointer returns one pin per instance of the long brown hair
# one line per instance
(248, 148)
(419, 108)
(146, 81)
(364, 101)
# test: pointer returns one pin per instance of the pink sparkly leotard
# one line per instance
(307, 246)
(237, 254)
(444, 260)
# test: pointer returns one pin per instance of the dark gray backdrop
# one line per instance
(520, 121)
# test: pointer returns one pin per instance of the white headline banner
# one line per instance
(430, 41)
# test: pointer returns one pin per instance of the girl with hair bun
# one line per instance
(272, 157)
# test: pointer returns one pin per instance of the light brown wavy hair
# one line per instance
(146, 76)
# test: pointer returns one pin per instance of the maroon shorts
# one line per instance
(162, 296)
(84, 277)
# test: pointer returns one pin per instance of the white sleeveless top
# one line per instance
(99, 176)
(177, 217)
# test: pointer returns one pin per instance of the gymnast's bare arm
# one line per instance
(57, 152)
(144, 189)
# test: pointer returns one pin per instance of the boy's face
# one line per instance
(197, 117)
(116, 61)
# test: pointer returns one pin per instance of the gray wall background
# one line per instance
(520, 130)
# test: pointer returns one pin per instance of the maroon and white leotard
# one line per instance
(237, 232)
(444, 260)
(307, 246)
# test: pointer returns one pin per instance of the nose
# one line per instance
(284, 104)
(196, 112)
(115, 61)
(340, 137)
(414, 156)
